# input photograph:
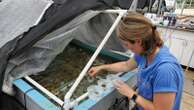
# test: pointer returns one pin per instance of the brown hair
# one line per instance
(135, 26)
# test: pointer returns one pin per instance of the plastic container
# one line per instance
(104, 84)
(112, 78)
(94, 92)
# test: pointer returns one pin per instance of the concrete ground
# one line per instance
(188, 94)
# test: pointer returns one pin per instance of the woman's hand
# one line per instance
(95, 70)
(124, 89)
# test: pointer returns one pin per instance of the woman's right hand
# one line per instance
(95, 70)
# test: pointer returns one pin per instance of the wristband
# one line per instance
(134, 97)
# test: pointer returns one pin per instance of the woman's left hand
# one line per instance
(124, 89)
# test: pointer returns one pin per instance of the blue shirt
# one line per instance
(164, 74)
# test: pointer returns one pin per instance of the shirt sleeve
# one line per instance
(166, 80)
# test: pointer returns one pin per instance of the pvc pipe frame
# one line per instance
(52, 96)
(70, 105)
(49, 94)
(84, 71)
(114, 11)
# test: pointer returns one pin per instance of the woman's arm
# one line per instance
(123, 66)
(161, 101)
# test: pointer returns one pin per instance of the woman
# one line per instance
(160, 77)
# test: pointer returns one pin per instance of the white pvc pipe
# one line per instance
(84, 71)
(133, 6)
(114, 11)
(70, 105)
(49, 94)
(120, 53)
(82, 97)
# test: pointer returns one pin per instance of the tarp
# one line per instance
(17, 17)
(31, 52)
